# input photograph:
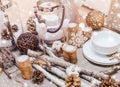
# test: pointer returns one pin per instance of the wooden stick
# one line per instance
(92, 80)
(57, 72)
(54, 79)
(56, 61)
(97, 75)
(34, 54)
(65, 64)
(112, 70)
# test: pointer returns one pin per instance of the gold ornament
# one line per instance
(95, 19)
(72, 80)
(109, 83)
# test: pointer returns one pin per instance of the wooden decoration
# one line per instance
(70, 53)
(24, 65)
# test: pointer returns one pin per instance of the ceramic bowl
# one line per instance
(106, 42)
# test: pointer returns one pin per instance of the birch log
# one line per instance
(35, 54)
(57, 72)
(54, 79)
(92, 80)
(97, 75)
(56, 61)
(62, 63)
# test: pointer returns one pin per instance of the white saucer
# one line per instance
(95, 57)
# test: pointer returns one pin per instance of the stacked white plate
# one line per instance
(92, 55)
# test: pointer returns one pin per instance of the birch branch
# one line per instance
(54, 79)
(57, 72)
(56, 61)
(112, 70)
(92, 80)
(97, 75)
(35, 54)
(65, 64)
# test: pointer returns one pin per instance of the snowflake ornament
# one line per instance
(77, 39)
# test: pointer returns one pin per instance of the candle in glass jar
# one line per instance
(72, 28)
(70, 53)
(25, 66)
(87, 31)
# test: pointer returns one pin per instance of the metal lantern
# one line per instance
(50, 18)
(10, 23)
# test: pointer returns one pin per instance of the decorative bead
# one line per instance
(27, 41)
(95, 19)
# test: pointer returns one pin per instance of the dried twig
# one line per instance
(112, 70)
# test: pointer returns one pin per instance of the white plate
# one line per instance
(95, 57)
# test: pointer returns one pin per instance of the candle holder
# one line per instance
(70, 53)
(72, 28)
(11, 27)
(25, 66)
(87, 32)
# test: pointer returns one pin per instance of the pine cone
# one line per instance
(5, 35)
(109, 83)
(14, 28)
(31, 25)
(72, 80)
(37, 76)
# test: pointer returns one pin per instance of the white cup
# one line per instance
(106, 42)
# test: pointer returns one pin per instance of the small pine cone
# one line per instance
(109, 83)
(72, 80)
(31, 25)
(37, 76)
(14, 28)
(5, 35)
